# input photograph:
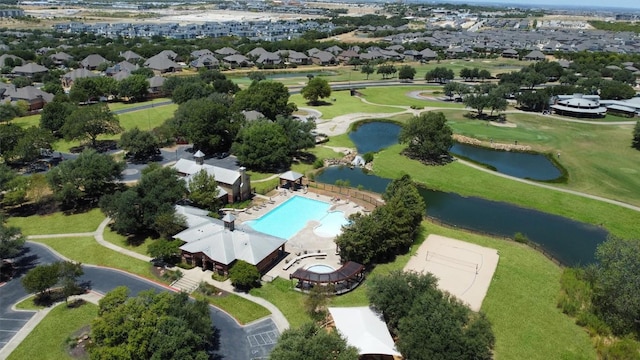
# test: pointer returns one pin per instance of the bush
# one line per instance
(184, 265)
(593, 323)
(318, 163)
(207, 289)
(368, 157)
(521, 238)
(625, 349)
(244, 275)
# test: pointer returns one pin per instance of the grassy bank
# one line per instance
(58, 223)
(281, 294)
(344, 104)
(49, 339)
(241, 309)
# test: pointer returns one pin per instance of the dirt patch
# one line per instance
(79, 342)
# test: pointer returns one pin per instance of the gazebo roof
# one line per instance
(346, 272)
(198, 154)
(291, 176)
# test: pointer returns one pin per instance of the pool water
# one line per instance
(321, 269)
(293, 215)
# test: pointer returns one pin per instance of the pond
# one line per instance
(518, 164)
(569, 241)
(377, 135)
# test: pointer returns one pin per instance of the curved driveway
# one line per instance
(235, 341)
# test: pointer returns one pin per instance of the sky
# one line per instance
(631, 4)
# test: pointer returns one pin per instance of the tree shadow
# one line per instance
(319, 103)
(102, 146)
(305, 158)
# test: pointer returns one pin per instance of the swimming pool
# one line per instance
(321, 269)
(293, 215)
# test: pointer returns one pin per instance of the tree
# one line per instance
(85, 178)
(496, 101)
(30, 145)
(244, 275)
(209, 125)
(316, 88)
(310, 342)
(533, 79)
(317, 300)
(8, 112)
(165, 250)
(439, 74)
(89, 122)
(68, 274)
(144, 71)
(616, 90)
(386, 70)
(533, 100)
(140, 145)
(134, 87)
(263, 145)
(21, 81)
(617, 285)
(635, 143)
(190, 91)
(484, 74)
(299, 133)
(455, 88)
(203, 191)
(428, 136)
(147, 206)
(151, 326)
(406, 72)
(11, 239)
(367, 70)
(54, 115)
(41, 278)
(256, 76)
(267, 97)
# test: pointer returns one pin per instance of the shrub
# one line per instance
(318, 163)
(593, 323)
(368, 157)
(244, 275)
(521, 238)
(625, 349)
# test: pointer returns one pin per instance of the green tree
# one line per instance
(440, 74)
(618, 284)
(299, 133)
(533, 100)
(616, 90)
(243, 275)
(386, 70)
(89, 122)
(134, 88)
(190, 91)
(141, 145)
(484, 74)
(21, 81)
(267, 97)
(533, 79)
(151, 326)
(165, 250)
(635, 143)
(203, 191)
(68, 274)
(8, 112)
(85, 178)
(11, 239)
(256, 76)
(317, 300)
(30, 145)
(147, 206)
(209, 125)
(406, 72)
(428, 136)
(310, 342)
(144, 71)
(263, 145)
(54, 115)
(367, 70)
(41, 278)
(317, 88)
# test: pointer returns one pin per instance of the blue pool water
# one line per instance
(321, 269)
(331, 224)
(291, 216)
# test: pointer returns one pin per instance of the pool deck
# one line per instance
(306, 239)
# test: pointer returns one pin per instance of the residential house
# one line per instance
(155, 86)
(237, 60)
(34, 97)
(207, 61)
(510, 54)
(257, 52)
(29, 70)
(216, 244)
(169, 54)
(335, 49)
(60, 58)
(226, 51)
(199, 53)
(68, 78)
(130, 56)
(295, 57)
(234, 183)
(91, 62)
(161, 64)
(428, 54)
(346, 56)
(121, 66)
(269, 59)
(535, 55)
(323, 58)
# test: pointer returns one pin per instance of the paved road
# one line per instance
(235, 341)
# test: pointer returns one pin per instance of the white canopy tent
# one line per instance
(364, 329)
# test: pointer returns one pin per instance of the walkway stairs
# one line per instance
(185, 284)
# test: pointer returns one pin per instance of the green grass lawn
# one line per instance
(27, 121)
(120, 105)
(397, 95)
(599, 158)
(241, 309)
(344, 104)
(48, 339)
(58, 223)
(141, 246)
(459, 178)
(28, 304)
(87, 251)
(281, 294)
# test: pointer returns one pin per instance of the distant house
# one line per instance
(237, 60)
(335, 49)
(60, 58)
(214, 244)
(295, 57)
(91, 62)
(235, 184)
(207, 61)
(199, 53)
(226, 51)
(130, 56)
(169, 54)
(323, 58)
(29, 70)
(34, 97)
(119, 67)
(257, 52)
(510, 54)
(347, 55)
(269, 59)
(535, 55)
(161, 64)
(68, 78)
(155, 85)
(428, 54)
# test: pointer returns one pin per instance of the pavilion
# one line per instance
(345, 279)
(579, 106)
(291, 180)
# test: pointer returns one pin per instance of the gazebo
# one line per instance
(345, 279)
(291, 180)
